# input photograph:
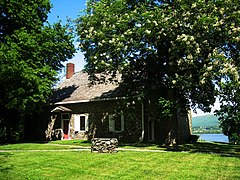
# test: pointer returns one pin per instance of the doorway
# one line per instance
(65, 129)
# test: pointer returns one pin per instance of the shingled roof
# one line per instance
(80, 87)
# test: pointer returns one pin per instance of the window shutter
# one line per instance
(111, 123)
(76, 122)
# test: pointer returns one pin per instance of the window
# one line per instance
(116, 122)
(80, 122)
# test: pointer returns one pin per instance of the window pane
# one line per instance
(111, 123)
(82, 123)
(118, 123)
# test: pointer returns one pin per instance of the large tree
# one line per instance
(184, 48)
(31, 53)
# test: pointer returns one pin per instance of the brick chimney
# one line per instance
(70, 70)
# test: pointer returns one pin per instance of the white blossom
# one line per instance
(112, 41)
(155, 22)
(91, 29)
(148, 31)
(198, 50)
(190, 56)
(203, 81)
(191, 38)
(209, 68)
(103, 23)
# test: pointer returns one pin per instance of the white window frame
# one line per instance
(77, 123)
(112, 123)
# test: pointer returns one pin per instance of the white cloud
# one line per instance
(201, 113)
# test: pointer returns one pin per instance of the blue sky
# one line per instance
(71, 9)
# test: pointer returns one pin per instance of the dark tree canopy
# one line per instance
(186, 48)
(31, 53)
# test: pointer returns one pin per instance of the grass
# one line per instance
(121, 165)
(201, 160)
(199, 147)
(72, 142)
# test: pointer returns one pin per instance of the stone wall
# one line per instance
(98, 116)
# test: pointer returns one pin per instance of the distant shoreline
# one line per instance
(206, 124)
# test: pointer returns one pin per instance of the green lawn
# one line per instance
(122, 165)
(224, 163)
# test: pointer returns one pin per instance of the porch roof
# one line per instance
(61, 109)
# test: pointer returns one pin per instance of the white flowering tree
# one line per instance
(188, 50)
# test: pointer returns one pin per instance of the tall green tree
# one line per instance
(31, 53)
(183, 48)
(229, 112)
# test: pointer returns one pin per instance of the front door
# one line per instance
(65, 129)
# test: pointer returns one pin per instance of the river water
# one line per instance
(214, 138)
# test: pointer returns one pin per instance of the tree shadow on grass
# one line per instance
(137, 145)
(223, 149)
(3, 161)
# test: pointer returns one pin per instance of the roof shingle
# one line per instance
(80, 88)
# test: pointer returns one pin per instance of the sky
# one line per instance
(63, 9)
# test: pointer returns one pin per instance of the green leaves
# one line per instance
(192, 47)
(165, 108)
(181, 40)
(31, 53)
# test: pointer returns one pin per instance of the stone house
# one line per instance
(82, 108)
